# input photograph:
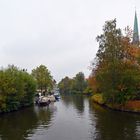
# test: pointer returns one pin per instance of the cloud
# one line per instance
(60, 34)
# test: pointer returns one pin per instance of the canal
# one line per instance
(72, 118)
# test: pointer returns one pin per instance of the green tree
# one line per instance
(76, 85)
(65, 85)
(43, 78)
(17, 89)
(79, 83)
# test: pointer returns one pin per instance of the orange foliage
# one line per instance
(131, 52)
(133, 104)
(93, 83)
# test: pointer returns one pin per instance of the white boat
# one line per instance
(51, 98)
(43, 101)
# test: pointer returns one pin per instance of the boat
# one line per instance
(57, 95)
(51, 98)
(41, 100)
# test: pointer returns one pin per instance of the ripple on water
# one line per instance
(72, 118)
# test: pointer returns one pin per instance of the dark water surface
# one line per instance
(72, 118)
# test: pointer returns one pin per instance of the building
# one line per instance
(135, 31)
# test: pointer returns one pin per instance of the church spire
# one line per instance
(135, 31)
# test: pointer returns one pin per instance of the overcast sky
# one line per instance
(57, 33)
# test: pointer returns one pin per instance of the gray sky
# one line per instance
(57, 33)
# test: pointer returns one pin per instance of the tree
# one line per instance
(93, 84)
(117, 69)
(65, 86)
(17, 89)
(43, 77)
(79, 83)
(76, 85)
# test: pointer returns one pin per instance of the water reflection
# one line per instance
(67, 100)
(77, 101)
(113, 124)
(44, 115)
(19, 125)
(72, 118)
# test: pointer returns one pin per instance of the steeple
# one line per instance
(135, 31)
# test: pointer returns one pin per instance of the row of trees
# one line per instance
(76, 85)
(116, 68)
(17, 87)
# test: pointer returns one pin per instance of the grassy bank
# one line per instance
(129, 106)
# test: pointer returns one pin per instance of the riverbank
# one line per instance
(129, 106)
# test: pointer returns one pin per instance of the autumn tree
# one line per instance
(116, 70)
(93, 84)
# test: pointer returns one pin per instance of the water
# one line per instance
(72, 118)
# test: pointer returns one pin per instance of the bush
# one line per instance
(17, 89)
(98, 98)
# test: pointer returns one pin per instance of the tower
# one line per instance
(135, 31)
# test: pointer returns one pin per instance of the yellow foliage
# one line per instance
(98, 98)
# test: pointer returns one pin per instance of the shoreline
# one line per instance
(16, 110)
(130, 106)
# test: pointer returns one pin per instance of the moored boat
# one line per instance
(51, 98)
(43, 101)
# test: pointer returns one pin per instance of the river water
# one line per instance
(71, 118)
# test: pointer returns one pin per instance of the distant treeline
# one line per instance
(76, 85)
